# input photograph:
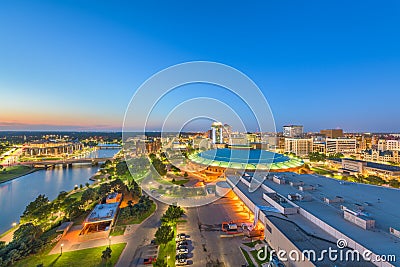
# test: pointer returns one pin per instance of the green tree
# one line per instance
(27, 231)
(185, 174)
(315, 156)
(394, 183)
(159, 263)
(117, 185)
(136, 191)
(121, 168)
(172, 214)
(106, 254)
(89, 195)
(36, 210)
(104, 189)
(164, 234)
(73, 210)
(336, 156)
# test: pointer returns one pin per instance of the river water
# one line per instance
(17, 193)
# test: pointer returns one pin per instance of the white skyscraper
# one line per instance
(217, 130)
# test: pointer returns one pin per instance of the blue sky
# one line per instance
(324, 64)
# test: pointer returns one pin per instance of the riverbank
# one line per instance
(13, 172)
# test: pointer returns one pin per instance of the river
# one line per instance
(16, 194)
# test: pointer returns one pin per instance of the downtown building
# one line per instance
(332, 133)
(341, 145)
(391, 145)
(292, 130)
(299, 146)
(355, 167)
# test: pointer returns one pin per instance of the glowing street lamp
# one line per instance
(14, 224)
(61, 248)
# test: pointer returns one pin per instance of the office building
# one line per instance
(292, 130)
(341, 145)
(332, 133)
(298, 146)
(217, 133)
(393, 145)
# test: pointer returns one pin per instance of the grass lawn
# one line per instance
(12, 172)
(118, 230)
(259, 262)
(179, 182)
(90, 257)
(39, 158)
(169, 250)
(78, 194)
(248, 259)
(321, 171)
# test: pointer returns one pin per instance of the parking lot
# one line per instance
(203, 225)
(147, 253)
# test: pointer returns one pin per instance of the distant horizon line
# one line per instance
(157, 131)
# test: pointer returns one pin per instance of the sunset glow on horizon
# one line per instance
(74, 65)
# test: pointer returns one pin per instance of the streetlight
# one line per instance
(14, 224)
(61, 248)
(109, 241)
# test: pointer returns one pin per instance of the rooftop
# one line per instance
(102, 212)
(304, 234)
(375, 165)
(379, 204)
(245, 159)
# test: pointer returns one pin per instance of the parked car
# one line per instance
(181, 237)
(182, 243)
(148, 261)
(181, 262)
(182, 250)
(181, 256)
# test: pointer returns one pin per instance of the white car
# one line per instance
(180, 237)
(180, 262)
(182, 250)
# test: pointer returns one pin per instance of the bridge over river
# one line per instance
(66, 162)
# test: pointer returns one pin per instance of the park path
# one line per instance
(138, 232)
(9, 236)
(144, 233)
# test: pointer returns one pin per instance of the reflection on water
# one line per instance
(17, 193)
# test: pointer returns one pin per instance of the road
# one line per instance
(131, 256)
(139, 236)
(202, 226)
(206, 246)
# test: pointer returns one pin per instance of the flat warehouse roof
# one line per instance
(378, 203)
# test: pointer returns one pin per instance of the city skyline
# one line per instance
(70, 66)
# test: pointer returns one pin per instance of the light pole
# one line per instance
(61, 248)
(109, 241)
